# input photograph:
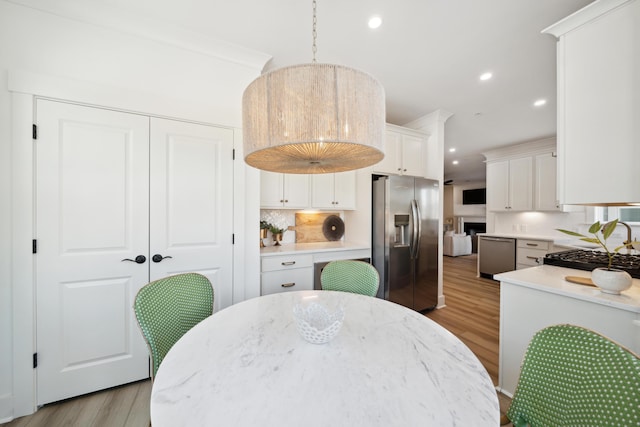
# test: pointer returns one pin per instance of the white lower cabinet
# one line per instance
(529, 253)
(287, 273)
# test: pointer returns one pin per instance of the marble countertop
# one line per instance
(550, 279)
(298, 248)
(247, 365)
(557, 240)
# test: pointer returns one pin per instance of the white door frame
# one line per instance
(24, 88)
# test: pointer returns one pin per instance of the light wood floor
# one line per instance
(471, 313)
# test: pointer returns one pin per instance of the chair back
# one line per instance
(573, 376)
(167, 308)
(350, 276)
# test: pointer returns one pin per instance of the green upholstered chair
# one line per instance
(357, 277)
(572, 376)
(167, 308)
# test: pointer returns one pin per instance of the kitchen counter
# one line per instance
(534, 298)
(550, 279)
(301, 248)
(560, 241)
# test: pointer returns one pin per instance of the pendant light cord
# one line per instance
(314, 33)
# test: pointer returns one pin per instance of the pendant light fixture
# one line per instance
(313, 118)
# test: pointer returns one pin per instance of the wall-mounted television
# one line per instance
(477, 196)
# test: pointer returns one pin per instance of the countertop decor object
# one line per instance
(317, 323)
(309, 226)
(313, 118)
(388, 366)
(333, 228)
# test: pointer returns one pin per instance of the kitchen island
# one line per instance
(533, 298)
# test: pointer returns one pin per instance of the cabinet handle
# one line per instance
(288, 263)
(286, 200)
(532, 244)
(288, 285)
(281, 200)
(532, 257)
(399, 169)
(404, 170)
(335, 203)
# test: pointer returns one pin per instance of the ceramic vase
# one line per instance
(611, 281)
(277, 238)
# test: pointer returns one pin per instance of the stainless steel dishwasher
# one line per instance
(496, 255)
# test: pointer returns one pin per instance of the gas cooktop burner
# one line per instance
(581, 259)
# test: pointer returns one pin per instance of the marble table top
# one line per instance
(247, 365)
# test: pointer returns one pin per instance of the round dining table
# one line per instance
(247, 365)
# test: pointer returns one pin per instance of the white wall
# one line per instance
(467, 210)
(94, 64)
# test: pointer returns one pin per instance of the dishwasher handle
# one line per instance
(497, 239)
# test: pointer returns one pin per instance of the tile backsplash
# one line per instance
(281, 218)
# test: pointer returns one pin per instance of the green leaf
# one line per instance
(570, 233)
(591, 240)
(608, 228)
(595, 227)
(619, 247)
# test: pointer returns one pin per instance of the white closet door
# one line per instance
(92, 212)
(192, 203)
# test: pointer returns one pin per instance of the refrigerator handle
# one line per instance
(415, 224)
(418, 227)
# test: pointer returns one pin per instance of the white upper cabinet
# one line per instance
(509, 185)
(404, 152)
(334, 191)
(599, 103)
(522, 177)
(545, 196)
(279, 190)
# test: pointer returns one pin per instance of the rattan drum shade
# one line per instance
(313, 118)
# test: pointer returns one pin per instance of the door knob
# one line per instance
(140, 259)
(158, 257)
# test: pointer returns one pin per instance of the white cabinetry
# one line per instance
(522, 177)
(545, 196)
(404, 152)
(287, 273)
(278, 190)
(599, 103)
(334, 191)
(529, 253)
(509, 185)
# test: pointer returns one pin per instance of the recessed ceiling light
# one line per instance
(486, 76)
(540, 102)
(375, 22)
(452, 150)
(455, 162)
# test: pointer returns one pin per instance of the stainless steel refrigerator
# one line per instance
(405, 213)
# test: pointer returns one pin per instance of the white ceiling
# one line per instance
(428, 54)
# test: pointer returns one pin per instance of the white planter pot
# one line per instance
(611, 281)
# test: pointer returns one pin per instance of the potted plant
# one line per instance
(277, 233)
(609, 280)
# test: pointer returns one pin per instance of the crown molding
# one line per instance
(102, 15)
